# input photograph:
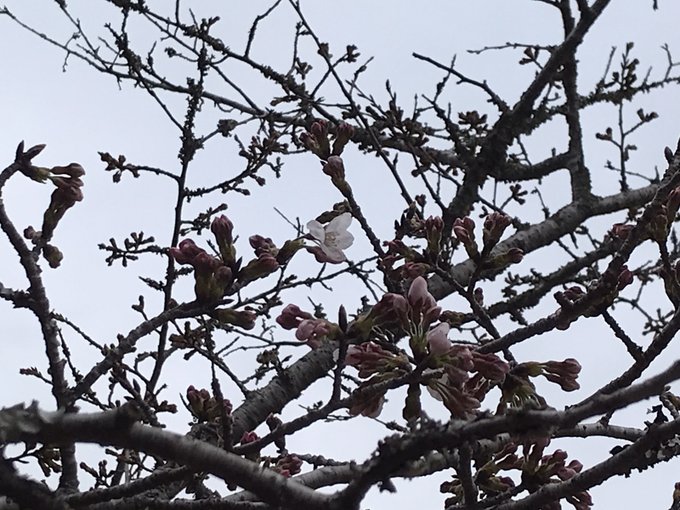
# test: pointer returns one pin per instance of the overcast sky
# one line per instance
(79, 112)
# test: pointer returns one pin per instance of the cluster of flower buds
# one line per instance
(204, 407)
(494, 226)
(308, 328)
(540, 470)
(52, 254)
(377, 365)
(264, 265)
(247, 438)
(49, 459)
(565, 373)
(618, 280)
(423, 306)
(415, 314)
(369, 403)
(292, 316)
(621, 231)
(211, 275)
(600, 297)
(68, 191)
(464, 230)
(316, 140)
(188, 338)
(413, 266)
(215, 275)
(460, 392)
(370, 359)
(417, 310)
(241, 318)
(663, 217)
(288, 465)
(488, 480)
(265, 246)
(334, 167)
(433, 227)
(518, 392)
(223, 229)
(283, 255)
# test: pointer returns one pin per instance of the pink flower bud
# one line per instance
(249, 437)
(264, 265)
(490, 366)
(242, 318)
(620, 230)
(464, 230)
(343, 134)
(494, 226)
(288, 465)
(313, 331)
(392, 308)
(319, 129)
(434, 223)
(438, 340)
(291, 317)
(186, 252)
(317, 139)
(72, 170)
(262, 245)
(222, 228)
(625, 278)
(335, 168)
(563, 373)
(514, 255)
(205, 263)
(418, 296)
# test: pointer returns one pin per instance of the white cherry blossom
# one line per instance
(334, 237)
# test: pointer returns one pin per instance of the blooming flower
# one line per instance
(334, 237)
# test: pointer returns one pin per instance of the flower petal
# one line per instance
(316, 230)
(340, 223)
(334, 254)
(343, 240)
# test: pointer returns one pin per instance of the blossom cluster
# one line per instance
(308, 328)
(417, 262)
(204, 407)
(537, 470)
(459, 375)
